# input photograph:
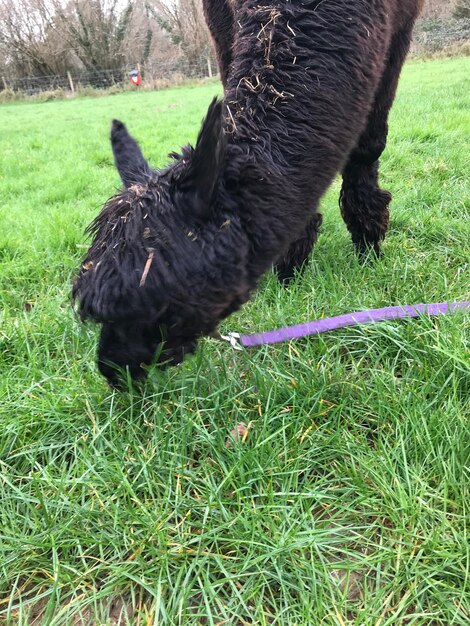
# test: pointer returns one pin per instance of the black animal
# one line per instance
(308, 86)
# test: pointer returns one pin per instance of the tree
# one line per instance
(42, 37)
(183, 21)
(95, 30)
(28, 40)
(462, 9)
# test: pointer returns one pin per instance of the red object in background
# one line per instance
(135, 77)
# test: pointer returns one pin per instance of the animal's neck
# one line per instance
(264, 196)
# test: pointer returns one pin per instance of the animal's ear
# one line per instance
(198, 181)
(131, 165)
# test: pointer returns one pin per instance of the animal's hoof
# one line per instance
(287, 273)
(368, 250)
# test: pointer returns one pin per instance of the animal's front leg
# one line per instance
(297, 255)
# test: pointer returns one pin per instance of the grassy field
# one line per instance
(347, 503)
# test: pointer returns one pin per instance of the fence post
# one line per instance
(72, 87)
(209, 67)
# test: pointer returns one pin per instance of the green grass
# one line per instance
(348, 503)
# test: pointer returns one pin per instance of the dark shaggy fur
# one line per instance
(220, 19)
(308, 87)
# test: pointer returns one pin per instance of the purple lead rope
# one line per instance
(341, 321)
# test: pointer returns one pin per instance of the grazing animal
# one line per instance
(308, 86)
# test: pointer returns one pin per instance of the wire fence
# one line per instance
(152, 76)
